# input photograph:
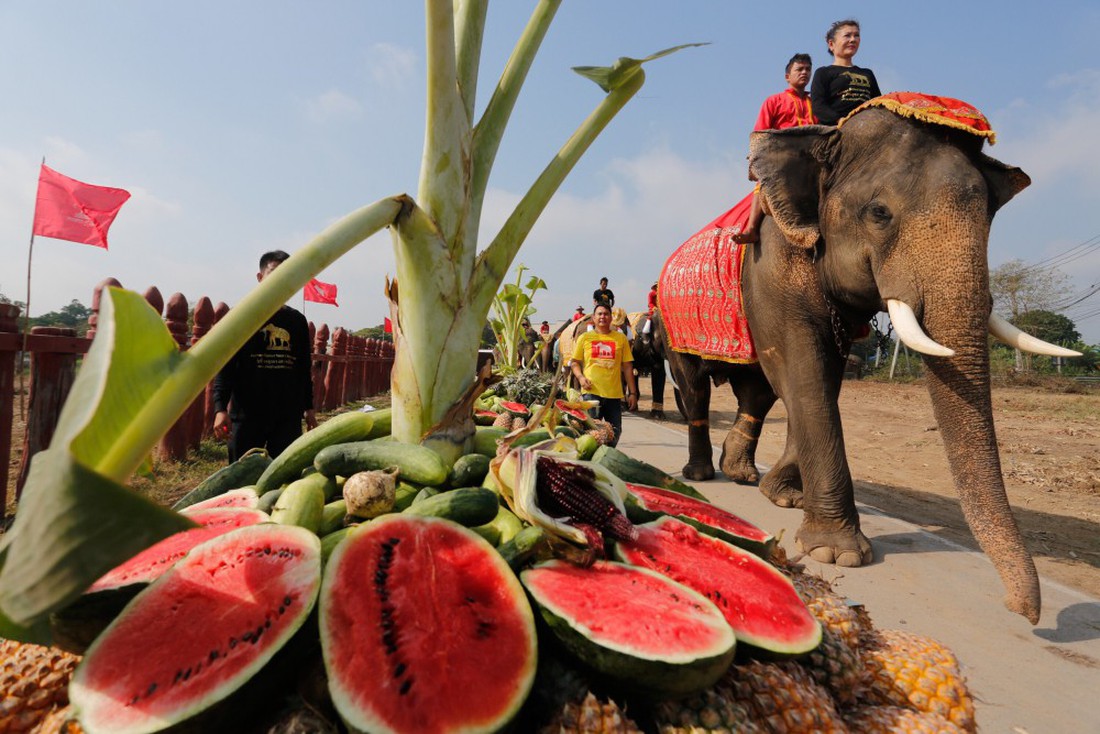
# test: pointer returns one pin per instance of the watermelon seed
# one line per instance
(213, 655)
(406, 686)
(287, 601)
(179, 675)
(267, 550)
(152, 687)
(187, 674)
(399, 670)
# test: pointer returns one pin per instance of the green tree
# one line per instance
(1048, 326)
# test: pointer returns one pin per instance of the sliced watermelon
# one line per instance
(640, 628)
(199, 633)
(244, 498)
(75, 627)
(516, 409)
(424, 628)
(759, 602)
(578, 415)
(645, 503)
(485, 417)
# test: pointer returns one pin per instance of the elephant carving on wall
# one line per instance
(885, 213)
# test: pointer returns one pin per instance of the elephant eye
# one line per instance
(877, 213)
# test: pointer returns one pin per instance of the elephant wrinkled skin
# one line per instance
(883, 208)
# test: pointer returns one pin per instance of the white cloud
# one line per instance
(393, 66)
(333, 105)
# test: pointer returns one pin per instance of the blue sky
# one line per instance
(245, 126)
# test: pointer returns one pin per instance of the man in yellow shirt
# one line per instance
(601, 362)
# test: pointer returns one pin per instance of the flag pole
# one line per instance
(27, 312)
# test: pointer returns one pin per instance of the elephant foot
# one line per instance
(841, 548)
(781, 494)
(698, 472)
(741, 471)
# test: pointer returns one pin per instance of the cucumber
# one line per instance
(587, 446)
(501, 528)
(404, 494)
(415, 463)
(636, 471)
(299, 455)
(485, 440)
(424, 494)
(241, 473)
(469, 506)
(332, 517)
(469, 470)
(333, 539)
(302, 503)
(520, 549)
(268, 500)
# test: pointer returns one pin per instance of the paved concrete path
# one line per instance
(1025, 680)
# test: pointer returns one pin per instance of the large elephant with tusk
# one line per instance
(886, 212)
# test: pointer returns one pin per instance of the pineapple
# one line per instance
(784, 698)
(34, 680)
(897, 720)
(831, 609)
(837, 667)
(519, 422)
(504, 420)
(59, 721)
(912, 671)
(591, 716)
(602, 432)
(711, 711)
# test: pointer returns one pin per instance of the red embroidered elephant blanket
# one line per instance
(699, 292)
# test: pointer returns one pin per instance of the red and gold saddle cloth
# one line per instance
(934, 110)
(699, 292)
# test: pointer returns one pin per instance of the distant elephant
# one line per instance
(886, 212)
(649, 359)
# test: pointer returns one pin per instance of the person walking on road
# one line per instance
(602, 362)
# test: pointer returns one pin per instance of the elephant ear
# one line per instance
(1004, 181)
(789, 165)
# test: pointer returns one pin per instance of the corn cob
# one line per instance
(567, 490)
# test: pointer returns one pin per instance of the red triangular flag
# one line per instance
(319, 292)
(387, 326)
(71, 210)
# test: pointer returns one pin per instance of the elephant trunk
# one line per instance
(959, 388)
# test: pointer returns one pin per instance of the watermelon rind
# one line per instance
(370, 572)
(750, 592)
(163, 624)
(645, 503)
(672, 672)
(242, 497)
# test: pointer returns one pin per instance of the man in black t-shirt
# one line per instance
(603, 295)
(266, 389)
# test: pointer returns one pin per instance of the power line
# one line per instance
(1074, 253)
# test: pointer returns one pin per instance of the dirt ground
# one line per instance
(1050, 454)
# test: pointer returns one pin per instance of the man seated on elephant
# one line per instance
(602, 362)
(789, 108)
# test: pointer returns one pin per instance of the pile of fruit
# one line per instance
(359, 584)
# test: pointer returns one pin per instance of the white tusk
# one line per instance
(910, 331)
(1023, 341)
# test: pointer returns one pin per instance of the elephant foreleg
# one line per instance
(783, 482)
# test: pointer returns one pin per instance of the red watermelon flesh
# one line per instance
(245, 498)
(200, 631)
(579, 415)
(758, 601)
(158, 558)
(704, 516)
(633, 624)
(516, 409)
(424, 628)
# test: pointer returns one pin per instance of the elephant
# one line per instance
(886, 212)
